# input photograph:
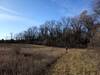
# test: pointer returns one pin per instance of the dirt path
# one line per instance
(76, 62)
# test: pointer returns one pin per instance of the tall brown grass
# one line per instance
(26, 60)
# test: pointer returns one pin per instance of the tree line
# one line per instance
(70, 32)
(66, 32)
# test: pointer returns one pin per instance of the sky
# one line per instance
(18, 15)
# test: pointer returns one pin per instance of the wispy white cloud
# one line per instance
(11, 15)
(10, 11)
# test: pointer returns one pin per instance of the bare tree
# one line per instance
(11, 34)
(89, 22)
(97, 7)
(67, 32)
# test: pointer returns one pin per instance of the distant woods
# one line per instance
(68, 32)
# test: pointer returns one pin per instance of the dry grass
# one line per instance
(76, 62)
(26, 59)
(36, 60)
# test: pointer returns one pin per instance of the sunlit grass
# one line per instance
(76, 62)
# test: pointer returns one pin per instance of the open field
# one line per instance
(27, 59)
(77, 62)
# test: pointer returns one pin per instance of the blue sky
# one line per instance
(18, 15)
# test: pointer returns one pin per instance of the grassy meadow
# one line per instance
(27, 59)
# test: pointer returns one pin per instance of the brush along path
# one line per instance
(75, 62)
